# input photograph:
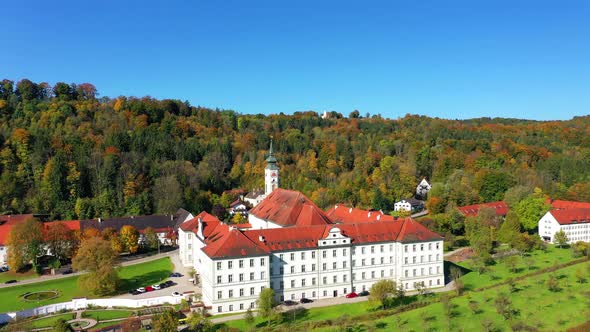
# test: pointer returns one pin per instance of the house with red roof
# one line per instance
(6, 224)
(574, 221)
(500, 208)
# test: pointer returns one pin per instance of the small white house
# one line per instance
(574, 222)
(423, 188)
(410, 205)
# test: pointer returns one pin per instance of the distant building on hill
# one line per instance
(422, 189)
(499, 207)
(411, 205)
(575, 222)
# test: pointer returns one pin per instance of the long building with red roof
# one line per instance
(575, 222)
(500, 208)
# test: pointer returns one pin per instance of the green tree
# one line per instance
(97, 257)
(560, 238)
(381, 290)
(249, 317)
(266, 303)
(151, 238)
(503, 306)
(510, 228)
(165, 321)
(531, 209)
(129, 237)
(25, 243)
(199, 322)
(61, 325)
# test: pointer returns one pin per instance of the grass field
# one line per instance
(101, 315)
(49, 321)
(531, 291)
(132, 277)
(9, 275)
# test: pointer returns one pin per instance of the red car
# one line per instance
(351, 295)
(149, 288)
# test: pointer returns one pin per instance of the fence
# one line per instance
(84, 303)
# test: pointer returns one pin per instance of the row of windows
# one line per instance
(230, 264)
(422, 270)
(414, 247)
(230, 278)
(414, 259)
(230, 293)
(231, 307)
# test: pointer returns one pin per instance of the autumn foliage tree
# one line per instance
(129, 237)
(25, 243)
(97, 257)
(60, 240)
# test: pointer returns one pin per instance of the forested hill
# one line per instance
(65, 152)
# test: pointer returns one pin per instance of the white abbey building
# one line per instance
(300, 251)
(575, 222)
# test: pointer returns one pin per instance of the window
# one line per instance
(372, 249)
(344, 277)
(219, 309)
(292, 269)
(313, 254)
(230, 264)
(292, 256)
(262, 275)
(252, 305)
(313, 267)
(353, 276)
(382, 248)
(292, 283)
(302, 268)
(372, 261)
(382, 260)
(430, 270)
(230, 278)
(334, 266)
(313, 281)
(437, 257)
(421, 271)
(218, 266)
(354, 262)
(251, 291)
(190, 246)
(334, 253)
(218, 295)
(390, 259)
(430, 258)
(303, 255)
(438, 281)
(372, 274)
(218, 279)
(325, 293)
(241, 263)
(406, 248)
(324, 254)
(414, 247)
(353, 250)
(323, 266)
(363, 250)
(302, 282)
(437, 245)
(335, 278)
(363, 276)
(421, 259)
(281, 270)
(344, 252)
(281, 256)
(241, 306)
(406, 260)
(363, 262)
(251, 275)
(231, 293)
(391, 247)
(344, 264)
(422, 247)
(251, 262)
(406, 273)
(324, 281)
(430, 246)
(382, 273)
(282, 285)
(414, 259)
(231, 307)
(313, 294)
(437, 269)
(241, 292)
(414, 272)
(262, 261)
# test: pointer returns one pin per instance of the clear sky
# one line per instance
(451, 59)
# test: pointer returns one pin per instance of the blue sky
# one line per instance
(451, 59)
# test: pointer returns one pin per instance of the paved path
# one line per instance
(170, 254)
(447, 254)
(419, 214)
(328, 302)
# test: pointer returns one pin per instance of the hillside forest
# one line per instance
(66, 152)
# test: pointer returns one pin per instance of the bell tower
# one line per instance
(271, 172)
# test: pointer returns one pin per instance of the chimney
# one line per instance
(99, 220)
(350, 210)
(261, 238)
(369, 214)
(379, 217)
(336, 206)
(200, 228)
(171, 217)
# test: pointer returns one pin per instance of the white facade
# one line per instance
(402, 205)
(548, 226)
(423, 188)
(3, 255)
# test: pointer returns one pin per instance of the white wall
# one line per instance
(548, 226)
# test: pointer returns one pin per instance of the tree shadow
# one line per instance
(447, 270)
(143, 280)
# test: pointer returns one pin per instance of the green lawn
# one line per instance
(101, 315)
(5, 276)
(49, 321)
(132, 277)
(529, 264)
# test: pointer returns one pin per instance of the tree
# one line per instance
(512, 285)
(510, 228)
(60, 240)
(249, 317)
(560, 238)
(25, 243)
(165, 321)
(131, 324)
(97, 257)
(503, 306)
(151, 238)
(474, 307)
(354, 114)
(531, 209)
(553, 283)
(61, 325)
(456, 275)
(580, 276)
(198, 322)
(381, 290)
(238, 218)
(512, 263)
(167, 194)
(266, 303)
(129, 237)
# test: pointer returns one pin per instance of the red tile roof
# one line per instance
(571, 216)
(472, 210)
(342, 214)
(209, 223)
(289, 208)
(559, 204)
(70, 224)
(6, 223)
(231, 244)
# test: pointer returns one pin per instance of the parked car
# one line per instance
(156, 287)
(364, 293)
(67, 271)
(134, 292)
(3, 268)
(149, 288)
(289, 303)
(176, 294)
(351, 295)
(11, 281)
(163, 285)
(169, 283)
(304, 300)
(141, 289)
(175, 275)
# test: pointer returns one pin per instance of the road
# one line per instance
(170, 254)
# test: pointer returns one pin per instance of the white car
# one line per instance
(141, 289)
(177, 294)
(156, 287)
